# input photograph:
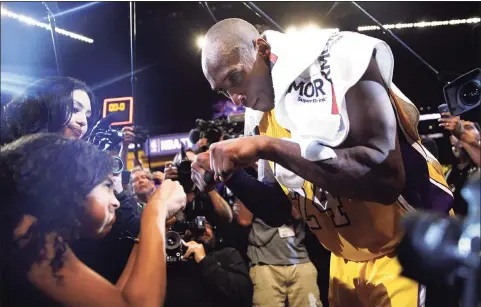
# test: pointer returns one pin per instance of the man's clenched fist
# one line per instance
(226, 157)
(201, 165)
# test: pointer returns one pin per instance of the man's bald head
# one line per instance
(235, 61)
(228, 42)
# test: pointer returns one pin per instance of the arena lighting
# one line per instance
(422, 24)
(76, 9)
(200, 41)
(432, 136)
(310, 28)
(32, 22)
(429, 116)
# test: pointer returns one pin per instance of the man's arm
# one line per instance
(472, 147)
(457, 128)
(264, 197)
(228, 276)
(369, 164)
(221, 207)
(242, 215)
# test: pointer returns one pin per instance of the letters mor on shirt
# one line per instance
(310, 92)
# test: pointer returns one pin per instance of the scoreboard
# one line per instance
(123, 105)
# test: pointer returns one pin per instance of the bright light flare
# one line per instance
(200, 41)
(310, 29)
(423, 24)
(32, 22)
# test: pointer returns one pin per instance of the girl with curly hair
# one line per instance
(56, 104)
(54, 191)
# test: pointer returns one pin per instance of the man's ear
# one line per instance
(262, 47)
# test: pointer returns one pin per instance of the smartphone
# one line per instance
(443, 108)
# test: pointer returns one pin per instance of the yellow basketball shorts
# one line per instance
(374, 283)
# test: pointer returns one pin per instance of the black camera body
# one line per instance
(438, 249)
(183, 165)
(215, 130)
(173, 238)
(464, 93)
(108, 139)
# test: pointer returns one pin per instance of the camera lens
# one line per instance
(470, 92)
(172, 240)
(118, 165)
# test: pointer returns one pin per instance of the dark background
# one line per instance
(171, 91)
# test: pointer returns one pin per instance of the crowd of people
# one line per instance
(304, 210)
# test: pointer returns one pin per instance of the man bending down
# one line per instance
(342, 143)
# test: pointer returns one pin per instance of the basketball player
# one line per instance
(340, 139)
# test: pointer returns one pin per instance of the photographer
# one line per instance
(142, 183)
(209, 277)
(464, 139)
(466, 134)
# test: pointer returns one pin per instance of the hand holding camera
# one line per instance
(171, 172)
(128, 135)
(158, 178)
(452, 124)
(195, 249)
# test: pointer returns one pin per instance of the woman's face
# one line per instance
(99, 214)
(78, 125)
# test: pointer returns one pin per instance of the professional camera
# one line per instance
(183, 165)
(108, 139)
(437, 249)
(464, 93)
(177, 232)
(215, 130)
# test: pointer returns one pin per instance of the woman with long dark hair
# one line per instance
(54, 191)
(56, 104)
(66, 106)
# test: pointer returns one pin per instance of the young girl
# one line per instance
(55, 190)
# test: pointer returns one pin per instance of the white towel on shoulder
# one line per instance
(306, 77)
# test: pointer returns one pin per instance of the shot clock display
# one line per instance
(123, 105)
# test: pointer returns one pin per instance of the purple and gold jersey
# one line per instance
(361, 230)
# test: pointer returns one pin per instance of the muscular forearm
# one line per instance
(243, 216)
(221, 206)
(356, 172)
(267, 201)
(149, 267)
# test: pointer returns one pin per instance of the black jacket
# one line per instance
(220, 279)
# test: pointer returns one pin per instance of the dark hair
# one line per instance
(44, 106)
(47, 176)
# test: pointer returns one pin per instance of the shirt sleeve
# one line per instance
(265, 199)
